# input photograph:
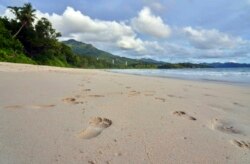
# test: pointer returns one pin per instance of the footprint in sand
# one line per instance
(160, 98)
(72, 100)
(134, 93)
(95, 128)
(224, 126)
(184, 114)
(179, 113)
(69, 100)
(241, 144)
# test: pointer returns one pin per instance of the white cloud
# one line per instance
(131, 43)
(141, 47)
(147, 23)
(8, 14)
(210, 39)
(74, 22)
(76, 25)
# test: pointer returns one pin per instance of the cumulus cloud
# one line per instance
(75, 22)
(148, 23)
(210, 39)
(131, 43)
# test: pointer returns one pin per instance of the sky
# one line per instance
(167, 30)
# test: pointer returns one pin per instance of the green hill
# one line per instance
(89, 50)
(86, 49)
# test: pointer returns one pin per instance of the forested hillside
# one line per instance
(88, 50)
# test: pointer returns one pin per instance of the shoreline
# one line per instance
(45, 67)
(240, 84)
(63, 115)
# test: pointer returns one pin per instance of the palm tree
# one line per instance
(25, 14)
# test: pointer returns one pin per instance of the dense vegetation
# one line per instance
(24, 40)
(32, 42)
(182, 65)
(11, 50)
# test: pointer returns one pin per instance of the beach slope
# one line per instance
(63, 115)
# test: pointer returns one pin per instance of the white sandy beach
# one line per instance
(59, 115)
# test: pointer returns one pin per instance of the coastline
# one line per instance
(240, 84)
(48, 115)
(217, 81)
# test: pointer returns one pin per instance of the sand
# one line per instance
(59, 115)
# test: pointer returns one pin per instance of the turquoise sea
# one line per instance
(226, 75)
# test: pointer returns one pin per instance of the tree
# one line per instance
(7, 42)
(25, 15)
(45, 30)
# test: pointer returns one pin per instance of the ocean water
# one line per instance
(226, 75)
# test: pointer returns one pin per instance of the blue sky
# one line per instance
(169, 30)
